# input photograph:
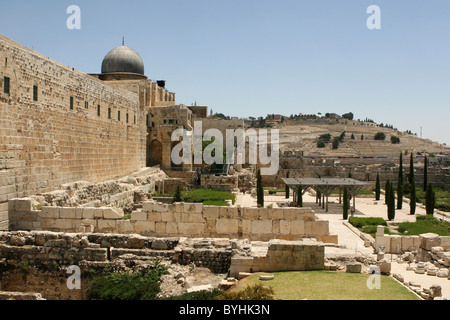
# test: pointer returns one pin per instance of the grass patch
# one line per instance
(362, 222)
(207, 197)
(327, 285)
(425, 224)
(367, 192)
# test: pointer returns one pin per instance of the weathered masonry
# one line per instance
(59, 125)
(175, 220)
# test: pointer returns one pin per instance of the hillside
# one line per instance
(303, 136)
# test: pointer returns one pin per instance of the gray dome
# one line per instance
(123, 60)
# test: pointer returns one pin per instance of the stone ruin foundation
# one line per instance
(33, 265)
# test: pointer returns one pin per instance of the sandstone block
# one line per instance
(275, 214)
(429, 240)
(172, 228)
(154, 216)
(106, 225)
(139, 216)
(160, 227)
(143, 227)
(49, 213)
(191, 229)
(353, 268)
(148, 206)
(298, 227)
(88, 213)
(227, 226)
(113, 213)
(285, 227)
(262, 227)
(210, 212)
(250, 213)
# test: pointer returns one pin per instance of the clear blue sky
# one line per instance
(255, 57)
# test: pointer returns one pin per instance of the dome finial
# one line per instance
(123, 41)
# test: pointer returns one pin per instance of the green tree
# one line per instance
(259, 190)
(286, 188)
(430, 199)
(378, 188)
(400, 184)
(320, 144)
(412, 181)
(425, 174)
(346, 204)
(380, 136)
(335, 144)
(391, 203)
(178, 197)
(300, 196)
(353, 136)
(386, 191)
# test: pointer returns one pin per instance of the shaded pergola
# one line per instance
(326, 186)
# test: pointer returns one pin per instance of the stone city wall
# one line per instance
(70, 131)
(172, 220)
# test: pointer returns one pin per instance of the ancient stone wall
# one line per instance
(59, 125)
(282, 256)
(173, 220)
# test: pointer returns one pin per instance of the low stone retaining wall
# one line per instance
(282, 256)
(399, 244)
(173, 220)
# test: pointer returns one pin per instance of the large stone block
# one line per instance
(106, 225)
(139, 216)
(191, 229)
(196, 218)
(227, 226)
(67, 213)
(154, 216)
(89, 213)
(148, 206)
(64, 224)
(144, 227)
(298, 227)
(172, 228)
(23, 204)
(113, 213)
(285, 227)
(250, 213)
(316, 228)
(210, 212)
(49, 213)
(262, 227)
(429, 240)
(275, 214)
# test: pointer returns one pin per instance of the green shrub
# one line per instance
(425, 224)
(255, 292)
(143, 285)
(361, 222)
(197, 296)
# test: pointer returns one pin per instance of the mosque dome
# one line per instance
(123, 60)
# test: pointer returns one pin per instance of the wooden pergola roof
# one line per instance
(326, 186)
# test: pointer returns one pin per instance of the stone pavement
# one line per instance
(348, 242)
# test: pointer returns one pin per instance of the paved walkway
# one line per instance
(348, 242)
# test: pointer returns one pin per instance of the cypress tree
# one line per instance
(412, 202)
(425, 174)
(386, 191)
(287, 189)
(259, 190)
(378, 188)
(300, 196)
(400, 184)
(391, 203)
(430, 200)
(346, 204)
